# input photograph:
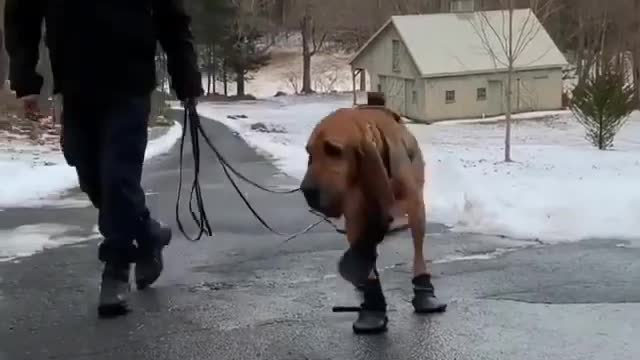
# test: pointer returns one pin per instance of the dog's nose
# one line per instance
(311, 194)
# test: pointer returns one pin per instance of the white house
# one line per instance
(437, 66)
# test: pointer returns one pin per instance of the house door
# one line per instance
(527, 93)
(410, 98)
(496, 97)
(394, 91)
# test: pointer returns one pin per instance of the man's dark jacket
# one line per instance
(101, 46)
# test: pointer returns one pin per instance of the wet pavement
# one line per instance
(244, 294)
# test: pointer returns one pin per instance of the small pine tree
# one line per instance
(243, 54)
(602, 104)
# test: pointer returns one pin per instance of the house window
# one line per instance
(395, 56)
(379, 87)
(414, 97)
(481, 94)
(450, 96)
(461, 6)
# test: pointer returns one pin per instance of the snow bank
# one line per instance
(29, 173)
(29, 239)
(559, 188)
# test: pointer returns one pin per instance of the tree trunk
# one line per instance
(580, 56)
(210, 69)
(636, 72)
(225, 78)
(636, 54)
(306, 55)
(3, 62)
(240, 82)
(213, 68)
(507, 138)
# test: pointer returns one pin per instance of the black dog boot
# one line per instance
(372, 317)
(149, 263)
(361, 286)
(114, 290)
(355, 265)
(424, 298)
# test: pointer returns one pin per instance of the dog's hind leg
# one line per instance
(417, 223)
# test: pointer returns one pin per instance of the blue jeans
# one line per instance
(105, 140)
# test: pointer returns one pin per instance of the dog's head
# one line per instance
(346, 157)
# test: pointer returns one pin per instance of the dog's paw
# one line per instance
(356, 266)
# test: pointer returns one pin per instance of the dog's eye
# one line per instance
(332, 150)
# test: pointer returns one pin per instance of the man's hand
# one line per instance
(31, 107)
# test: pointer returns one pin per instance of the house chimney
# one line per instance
(462, 6)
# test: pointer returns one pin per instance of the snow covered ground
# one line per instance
(29, 239)
(31, 173)
(559, 188)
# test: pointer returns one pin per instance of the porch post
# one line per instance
(353, 80)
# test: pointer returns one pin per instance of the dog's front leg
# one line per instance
(358, 266)
(424, 300)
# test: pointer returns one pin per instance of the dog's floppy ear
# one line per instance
(373, 175)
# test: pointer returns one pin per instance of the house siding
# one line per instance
(532, 91)
(377, 60)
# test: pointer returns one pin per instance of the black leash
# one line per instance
(193, 125)
(202, 221)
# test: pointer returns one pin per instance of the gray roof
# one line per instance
(450, 43)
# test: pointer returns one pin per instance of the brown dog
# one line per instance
(365, 165)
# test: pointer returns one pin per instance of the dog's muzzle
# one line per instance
(315, 197)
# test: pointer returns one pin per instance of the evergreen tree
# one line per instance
(211, 23)
(603, 104)
(244, 52)
(230, 38)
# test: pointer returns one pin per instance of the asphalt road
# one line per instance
(243, 294)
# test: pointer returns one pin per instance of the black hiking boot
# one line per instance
(424, 298)
(114, 290)
(149, 263)
(372, 317)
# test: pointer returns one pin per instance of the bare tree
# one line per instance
(506, 41)
(313, 38)
(3, 55)
(636, 52)
(314, 19)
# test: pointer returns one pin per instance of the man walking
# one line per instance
(103, 60)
